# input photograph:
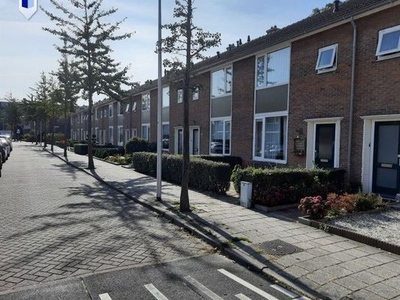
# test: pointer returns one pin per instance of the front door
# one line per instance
(386, 158)
(194, 141)
(325, 145)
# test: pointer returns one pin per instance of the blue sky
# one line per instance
(26, 50)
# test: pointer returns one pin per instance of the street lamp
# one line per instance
(159, 109)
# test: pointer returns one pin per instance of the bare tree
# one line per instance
(86, 36)
(190, 41)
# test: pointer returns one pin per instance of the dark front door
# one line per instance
(325, 145)
(386, 158)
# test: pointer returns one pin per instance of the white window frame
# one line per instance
(127, 135)
(396, 51)
(179, 96)
(311, 133)
(264, 116)
(120, 135)
(111, 134)
(195, 94)
(265, 69)
(110, 110)
(226, 92)
(120, 109)
(95, 113)
(134, 106)
(133, 132)
(332, 65)
(165, 96)
(224, 120)
(145, 125)
(143, 98)
(127, 108)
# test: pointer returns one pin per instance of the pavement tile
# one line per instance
(353, 266)
(333, 290)
(351, 282)
(365, 295)
(321, 277)
(384, 290)
(368, 277)
(296, 271)
(384, 257)
(385, 271)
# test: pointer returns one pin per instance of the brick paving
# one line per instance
(58, 222)
(333, 266)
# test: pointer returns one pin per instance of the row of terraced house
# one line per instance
(324, 91)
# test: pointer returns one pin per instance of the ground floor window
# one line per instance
(146, 132)
(220, 142)
(120, 135)
(165, 136)
(110, 134)
(270, 138)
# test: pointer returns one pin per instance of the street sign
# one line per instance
(28, 8)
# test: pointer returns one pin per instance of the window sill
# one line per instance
(275, 161)
(387, 56)
(322, 71)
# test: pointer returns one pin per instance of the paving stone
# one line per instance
(368, 277)
(384, 290)
(365, 295)
(333, 290)
(351, 282)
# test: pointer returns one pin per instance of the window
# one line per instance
(220, 137)
(120, 108)
(110, 134)
(110, 110)
(327, 59)
(146, 132)
(195, 94)
(165, 97)
(165, 136)
(180, 96)
(273, 68)
(101, 114)
(105, 112)
(270, 138)
(127, 135)
(146, 102)
(127, 108)
(389, 41)
(96, 113)
(221, 82)
(134, 106)
(120, 135)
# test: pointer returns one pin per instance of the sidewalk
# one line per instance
(319, 264)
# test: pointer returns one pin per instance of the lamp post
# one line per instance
(159, 109)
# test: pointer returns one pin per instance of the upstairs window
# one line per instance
(389, 41)
(110, 110)
(165, 97)
(327, 59)
(180, 96)
(146, 102)
(273, 69)
(195, 94)
(221, 82)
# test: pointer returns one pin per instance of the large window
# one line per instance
(389, 41)
(146, 132)
(327, 58)
(111, 134)
(146, 101)
(165, 136)
(221, 82)
(273, 68)
(110, 110)
(165, 97)
(220, 137)
(270, 138)
(179, 96)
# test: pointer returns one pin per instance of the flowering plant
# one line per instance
(313, 206)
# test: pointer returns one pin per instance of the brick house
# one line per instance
(319, 92)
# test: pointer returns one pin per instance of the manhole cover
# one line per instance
(279, 248)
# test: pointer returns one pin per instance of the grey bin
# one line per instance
(246, 189)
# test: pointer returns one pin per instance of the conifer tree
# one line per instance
(84, 29)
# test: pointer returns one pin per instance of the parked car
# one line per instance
(9, 139)
(7, 147)
(3, 154)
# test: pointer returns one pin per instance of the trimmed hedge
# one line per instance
(136, 145)
(231, 160)
(204, 175)
(280, 186)
(81, 149)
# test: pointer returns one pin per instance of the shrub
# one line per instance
(119, 159)
(136, 145)
(204, 175)
(340, 204)
(279, 186)
(105, 151)
(231, 160)
(81, 149)
(365, 201)
(314, 207)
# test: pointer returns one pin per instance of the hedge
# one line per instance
(231, 160)
(204, 175)
(280, 186)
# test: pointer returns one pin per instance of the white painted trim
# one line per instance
(381, 34)
(311, 134)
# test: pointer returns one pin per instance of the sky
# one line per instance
(26, 50)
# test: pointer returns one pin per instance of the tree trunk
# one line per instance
(184, 200)
(90, 145)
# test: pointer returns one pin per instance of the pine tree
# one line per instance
(86, 36)
(190, 41)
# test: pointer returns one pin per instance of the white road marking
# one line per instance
(105, 296)
(242, 297)
(248, 285)
(284, 291)
(202, 288)
(156, 293)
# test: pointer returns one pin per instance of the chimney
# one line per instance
(336, 5)
(272, 29)
(248, 38)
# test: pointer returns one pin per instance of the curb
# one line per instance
(190, 225)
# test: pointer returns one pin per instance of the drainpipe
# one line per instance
(353, 71)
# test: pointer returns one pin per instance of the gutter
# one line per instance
(352, 87)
